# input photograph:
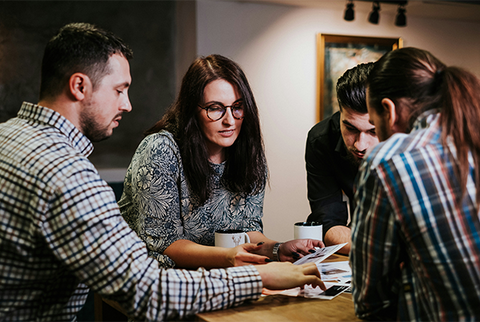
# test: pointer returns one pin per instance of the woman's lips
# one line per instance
(227, 133)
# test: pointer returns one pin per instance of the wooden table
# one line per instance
(286, 308)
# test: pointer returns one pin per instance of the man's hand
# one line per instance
(279, 276)
(295, 249)
(242, 255)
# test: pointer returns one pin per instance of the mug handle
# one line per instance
(247, 238)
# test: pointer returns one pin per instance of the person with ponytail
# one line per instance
(416, 230)
(202, 168)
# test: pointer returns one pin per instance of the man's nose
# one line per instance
(361, 143)
(126, 105)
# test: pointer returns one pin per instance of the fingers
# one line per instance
(316, 281)
(312, 269)
(256, 259)
(249, 246)
(298, 253)
(249, 258)
(287, 275)
(317, 243)
(301, 247)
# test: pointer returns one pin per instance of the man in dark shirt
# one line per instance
(335, 147)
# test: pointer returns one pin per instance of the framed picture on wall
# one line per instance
(338, 53)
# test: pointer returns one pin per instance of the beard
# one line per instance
(93, 130)
(353, 159)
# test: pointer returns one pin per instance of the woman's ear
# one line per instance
(79, 85)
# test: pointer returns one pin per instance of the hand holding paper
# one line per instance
(319, 255)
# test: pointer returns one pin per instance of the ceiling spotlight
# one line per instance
(373, 17)
(349, 13)
(401, 19)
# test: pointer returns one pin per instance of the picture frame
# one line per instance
(338, 53)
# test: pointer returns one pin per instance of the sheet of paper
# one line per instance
(319, 255)
(333, 290)
(339, 272)
(288, 292)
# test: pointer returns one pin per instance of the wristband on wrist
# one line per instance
(276, 247)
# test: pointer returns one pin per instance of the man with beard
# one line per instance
(335, 147)
(61, 231)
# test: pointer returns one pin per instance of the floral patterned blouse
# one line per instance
(157, 202)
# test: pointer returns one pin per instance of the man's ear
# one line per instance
(391, 110)
(79, 85)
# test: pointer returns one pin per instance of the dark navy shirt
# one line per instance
(329, 172)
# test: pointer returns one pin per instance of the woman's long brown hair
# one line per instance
(245, 167)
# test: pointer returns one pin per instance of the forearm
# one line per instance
(205, 291)
(188, 254)
(149, 293)
(339, 235)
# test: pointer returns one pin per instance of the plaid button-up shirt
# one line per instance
(415, 239)
(61, 233)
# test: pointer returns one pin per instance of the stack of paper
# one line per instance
(335, 275)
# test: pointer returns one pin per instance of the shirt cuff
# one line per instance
(247, 281)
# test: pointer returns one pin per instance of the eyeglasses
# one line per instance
(216, 111)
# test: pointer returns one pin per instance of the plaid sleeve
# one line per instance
(201, 290)
(374, 253)
(89, 235)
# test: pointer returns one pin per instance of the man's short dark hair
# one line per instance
(78, 48)
(351, 88)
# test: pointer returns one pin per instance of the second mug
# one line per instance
(308, 230)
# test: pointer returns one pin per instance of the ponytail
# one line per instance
(421, 82)
(460, 119)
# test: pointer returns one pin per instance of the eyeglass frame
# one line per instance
(240, 100)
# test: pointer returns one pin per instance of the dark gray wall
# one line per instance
(147, 26)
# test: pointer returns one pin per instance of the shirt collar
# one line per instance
(44, 115)
(341, 147)
(426, 119)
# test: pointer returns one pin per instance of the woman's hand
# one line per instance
(242, 255)
(295, 249)
(279, 276)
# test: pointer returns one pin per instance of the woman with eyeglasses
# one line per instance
(202, 168)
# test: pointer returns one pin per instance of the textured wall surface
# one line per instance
(147, 26)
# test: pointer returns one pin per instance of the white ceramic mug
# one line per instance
(308, 230)
(230, 238)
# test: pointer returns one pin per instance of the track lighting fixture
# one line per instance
(401, 19)
(374, 16)
(349, 12)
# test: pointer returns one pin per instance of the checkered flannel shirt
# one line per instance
(61, 233)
